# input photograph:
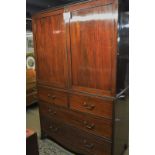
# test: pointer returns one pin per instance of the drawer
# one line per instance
(95, 106)
(53, 96)
(75, 139)
(95, 125)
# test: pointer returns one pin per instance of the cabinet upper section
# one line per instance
(76, 47)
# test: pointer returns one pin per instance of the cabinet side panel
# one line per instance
(121, 125)
(123, 52)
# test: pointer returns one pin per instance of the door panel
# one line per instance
(51, 53)
(91, 47)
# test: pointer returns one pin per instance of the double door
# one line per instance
(76, 48)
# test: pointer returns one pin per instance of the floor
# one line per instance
(46, 147)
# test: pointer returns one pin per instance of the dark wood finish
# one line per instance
(75, 139)
(53, 96)
(91, 43)
(86, 4)
(76, 51)
(91, 105)
(49, 35)
(96, 125)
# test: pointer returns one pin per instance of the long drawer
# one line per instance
(75, 139)
(53, 96)
(95, 106)
(96, 125)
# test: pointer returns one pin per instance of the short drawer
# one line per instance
(95, 125)
(53, 96)
(75, 139)
(95, 106)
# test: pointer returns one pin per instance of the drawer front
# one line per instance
(98, 126)
(53, 96)
(74, 139)
(95, 106)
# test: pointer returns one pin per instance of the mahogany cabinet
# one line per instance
(83, 106)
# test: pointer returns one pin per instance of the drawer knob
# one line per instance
(87, 145)
(89, 126)
(49, 95)
(88, 106)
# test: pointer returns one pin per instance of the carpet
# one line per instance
(48, 147)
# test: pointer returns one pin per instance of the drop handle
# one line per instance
(88, 106)
(89, 126)
(55, 129)
(89, 146)
(53, 96)
(52, 112)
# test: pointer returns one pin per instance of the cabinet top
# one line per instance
(72, 5)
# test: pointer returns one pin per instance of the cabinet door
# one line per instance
(51, 50)
(92, 49)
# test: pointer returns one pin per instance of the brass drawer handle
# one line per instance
(55, 129)
(89, 126)
(53, 96)
(89, 146)
(52, 112)
(88, 106)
